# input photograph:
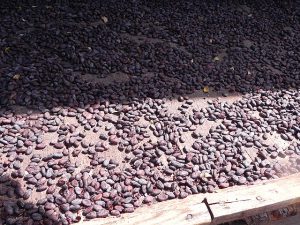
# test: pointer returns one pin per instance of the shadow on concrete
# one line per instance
(65, 56)
(16, 207)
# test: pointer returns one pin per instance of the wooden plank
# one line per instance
(275, 216)
(293, 220)
(234, 204)
(188, 211)
(224, 206)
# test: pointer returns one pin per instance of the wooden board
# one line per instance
(188, 211)
(235, 204)
(223, 206)
(281, 216)
(293, 220)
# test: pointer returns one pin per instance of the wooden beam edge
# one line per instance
(196, 209)
(251, 200)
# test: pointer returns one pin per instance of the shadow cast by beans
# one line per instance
(16, 208)
(65, 56)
